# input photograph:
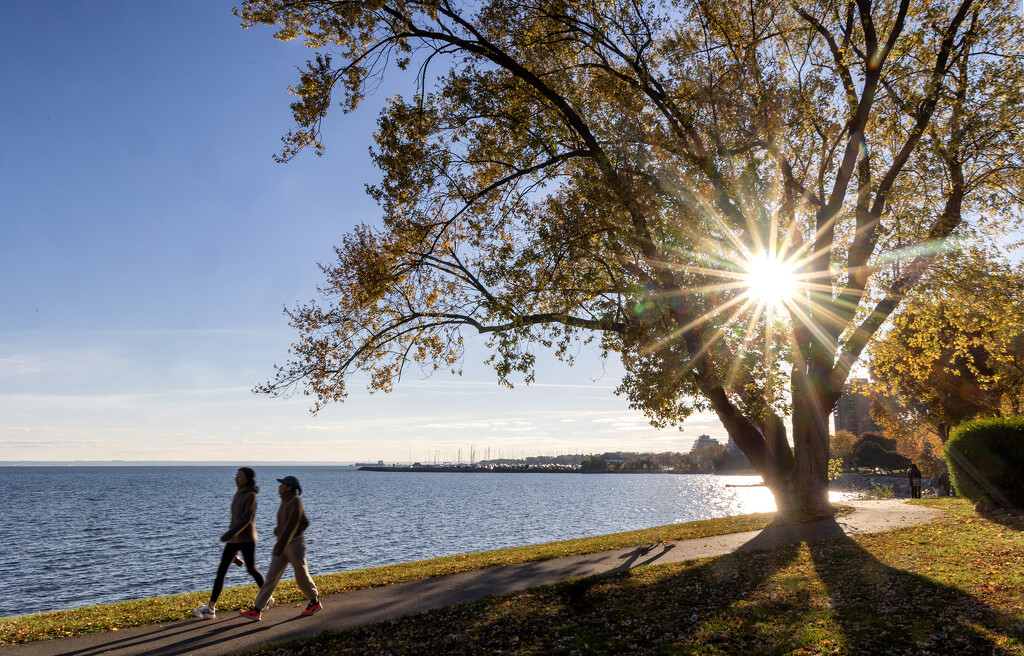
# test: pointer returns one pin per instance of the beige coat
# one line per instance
(291, 521)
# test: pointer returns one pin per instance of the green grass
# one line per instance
(952, 586)
(111, 617)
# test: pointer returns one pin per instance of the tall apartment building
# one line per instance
(704, 440)
(853, 411)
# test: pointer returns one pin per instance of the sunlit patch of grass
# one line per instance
(952, 586)
(111, 617)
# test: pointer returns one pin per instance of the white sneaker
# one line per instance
(205, 612)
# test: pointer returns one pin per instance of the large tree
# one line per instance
(626, 169)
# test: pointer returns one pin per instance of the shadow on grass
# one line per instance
(175, 639)
(1012, 522)
(884, 610)
(823, 595)
(649, 610)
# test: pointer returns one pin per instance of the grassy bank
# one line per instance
(952, 586)
(111, 617)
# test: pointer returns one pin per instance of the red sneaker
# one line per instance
(313, 607)
(254, 615)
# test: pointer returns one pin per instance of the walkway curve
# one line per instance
(230, 632)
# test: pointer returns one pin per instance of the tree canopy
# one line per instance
(623, 170)
(841, 446)
(956, 352)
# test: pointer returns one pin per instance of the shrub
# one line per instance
(871, 454)
(887, 443)
(881, 491)
(835, 468)
(986, 461)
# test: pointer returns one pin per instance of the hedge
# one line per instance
(985, 458)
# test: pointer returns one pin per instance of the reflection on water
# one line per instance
(84, 535)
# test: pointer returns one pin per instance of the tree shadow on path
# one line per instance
(649, 610)
(805, 588)
(885, 610)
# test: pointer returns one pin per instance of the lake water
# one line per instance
(77, 536)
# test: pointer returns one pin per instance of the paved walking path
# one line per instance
(230, 632)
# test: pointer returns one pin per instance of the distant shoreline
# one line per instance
(170, 463)
(554, 469)
(460, 469)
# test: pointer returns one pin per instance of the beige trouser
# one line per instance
(294, 555)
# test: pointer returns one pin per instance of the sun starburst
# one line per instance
(770, 280)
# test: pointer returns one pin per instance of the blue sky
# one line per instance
(148, 243)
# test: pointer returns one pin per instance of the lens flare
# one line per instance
(770, 280)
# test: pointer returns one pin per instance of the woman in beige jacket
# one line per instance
(240, 537)
(289, 549)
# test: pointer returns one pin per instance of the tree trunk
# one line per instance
(809, 480)
(801, 490)
(797, 478)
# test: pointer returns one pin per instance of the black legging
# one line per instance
(248, 550)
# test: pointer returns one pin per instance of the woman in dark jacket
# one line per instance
(240, 537)
(914, 476)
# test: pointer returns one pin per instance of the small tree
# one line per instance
(914, 439)
(707, 458)
(957, 350)
(885, 443)
(874, 451)
(869, 454)
(986, 461)
(841, 445)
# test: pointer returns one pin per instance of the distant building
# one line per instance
(703, 441)
(735, 459)
(853, 411)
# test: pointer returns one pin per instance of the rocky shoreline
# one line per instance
(859, 483)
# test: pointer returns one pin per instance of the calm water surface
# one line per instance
(77, 536)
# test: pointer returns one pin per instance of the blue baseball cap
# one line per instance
(291, 481)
